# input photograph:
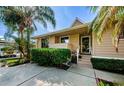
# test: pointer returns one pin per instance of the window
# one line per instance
(44, 43)
(122, 34)
(64, 39)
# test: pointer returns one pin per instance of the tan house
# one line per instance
(77, 36)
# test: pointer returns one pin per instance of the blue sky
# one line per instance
(65, 16)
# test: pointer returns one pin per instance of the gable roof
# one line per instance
(76, 25)
(76, 22)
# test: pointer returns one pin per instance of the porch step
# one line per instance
(86, 56)
(85, 61)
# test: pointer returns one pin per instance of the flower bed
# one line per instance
(101, 82)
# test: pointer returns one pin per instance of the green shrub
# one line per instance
(50, 56)
(113, 65)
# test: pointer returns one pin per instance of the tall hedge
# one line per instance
(50, 56)
(113, 65)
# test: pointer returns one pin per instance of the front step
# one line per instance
(85, 58)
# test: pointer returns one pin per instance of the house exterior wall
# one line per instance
(38, 43)
(74, 42)
(54, 41)
(106, 49)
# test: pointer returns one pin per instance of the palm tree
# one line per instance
(23, 19)
(108, 17)
(11, 17)
(41, 14)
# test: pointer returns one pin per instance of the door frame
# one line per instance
(89, 45)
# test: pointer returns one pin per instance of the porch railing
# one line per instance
(59, 45)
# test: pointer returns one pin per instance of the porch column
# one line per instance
(38, 43)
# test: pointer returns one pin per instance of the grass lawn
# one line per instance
(12, 62)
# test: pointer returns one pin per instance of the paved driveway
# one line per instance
(33, 75)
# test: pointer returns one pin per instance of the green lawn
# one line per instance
(12, 61)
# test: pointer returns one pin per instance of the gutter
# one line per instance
(61, 31)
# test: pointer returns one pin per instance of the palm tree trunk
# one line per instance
(28, 45)
(22, 52)
(19, 35)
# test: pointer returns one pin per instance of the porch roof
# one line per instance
(72, 30)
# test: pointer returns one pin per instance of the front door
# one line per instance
(85, 44)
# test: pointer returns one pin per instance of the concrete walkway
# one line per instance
(93, 73)
(33, 75)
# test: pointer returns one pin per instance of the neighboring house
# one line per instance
(2, 44)
(79, 37)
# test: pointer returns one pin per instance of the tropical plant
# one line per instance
(108, 17)
(23, 19)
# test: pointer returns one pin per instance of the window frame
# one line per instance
(63, 37)
(121, 36)
(43, 42)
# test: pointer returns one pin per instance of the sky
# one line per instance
(64, 16)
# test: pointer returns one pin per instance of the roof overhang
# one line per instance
(78, 29)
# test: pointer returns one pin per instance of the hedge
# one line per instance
(113, 65)
(50, 56)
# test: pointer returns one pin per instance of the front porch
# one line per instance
(76, 37)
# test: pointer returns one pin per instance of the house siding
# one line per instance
(106, 49)
(52, 40)
(74, 42)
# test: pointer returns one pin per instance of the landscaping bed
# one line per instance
(101, 82)
(11, 62)
(112, 65)
(51, 56)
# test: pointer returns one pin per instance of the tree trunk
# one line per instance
(22, 52)
(28, 45)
